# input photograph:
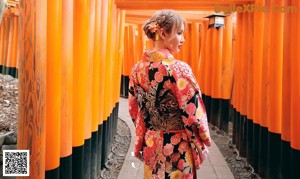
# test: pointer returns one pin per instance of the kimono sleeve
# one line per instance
(136, 115)
(132, 101)
(189, 98)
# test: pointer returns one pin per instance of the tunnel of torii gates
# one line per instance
(72, 59)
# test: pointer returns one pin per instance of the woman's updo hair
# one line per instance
(169, 20)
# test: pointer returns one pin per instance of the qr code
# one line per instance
(16, 163)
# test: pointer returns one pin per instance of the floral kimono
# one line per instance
(170, 119)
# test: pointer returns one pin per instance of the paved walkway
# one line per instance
(215, 167)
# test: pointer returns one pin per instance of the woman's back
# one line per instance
(155, 96)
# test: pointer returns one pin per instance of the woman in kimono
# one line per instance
(166, 106)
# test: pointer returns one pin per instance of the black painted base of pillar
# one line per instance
(207, 104)
(94, 155)
(249, 142)
(52, 174)
(263, 169)
(295, 158)
(274, 155)
(77, 162)
(12, 71)
(87, 158)
(100, 148)
(215, 112)
(256, 135)
(104, 144)
(285, 159)
(124, 86)
(225, 107)
(243, 135)
(65, 171)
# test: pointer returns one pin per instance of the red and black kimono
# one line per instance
(170, 118)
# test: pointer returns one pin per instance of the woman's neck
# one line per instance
(158, 44)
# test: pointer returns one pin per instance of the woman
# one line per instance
(166, 106)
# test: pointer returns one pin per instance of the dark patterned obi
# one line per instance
(160, 109)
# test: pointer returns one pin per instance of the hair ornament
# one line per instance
(153, 26)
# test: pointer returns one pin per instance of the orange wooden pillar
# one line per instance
(119, 57)
(95, 151)
(103, 68)
(285, 153)
(117, 16)
(186, 57)
(265, 98)
(242, 87)
(32, 84)
(80, 66)
(274, 114)
(227, 62)
(67, 91)
(9, 45)
(203, 62)
(249, 98)
(139, 42)
(107, 82)
(125, 70)
(1, 47)
(216, 75)
(110, 74)
(115, 73)
(14, 55)
(5, 33)
(89, 93)
(295, 93)
(227, 73)
(208, 72)
(195, 49)
(53, 90)
(237, 75)
(131, 47)
(249, 68)
(258, 40)
(121, 46)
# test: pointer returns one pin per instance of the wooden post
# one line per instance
(275, 79)
(53, 90)
(195, 49)
(107, 81)
(89, 92)
(80, 66)
(295, 94)
(286, 95)
(275, 90)
(32, 83)
(249, 101)
(265, 100)
(187, 44)
(95, 151)
(121, 52)
(227, 73)
(258, 40)
(227, 69)
(203, 62)
(1, 47)
(103, 68)
(67, 91)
